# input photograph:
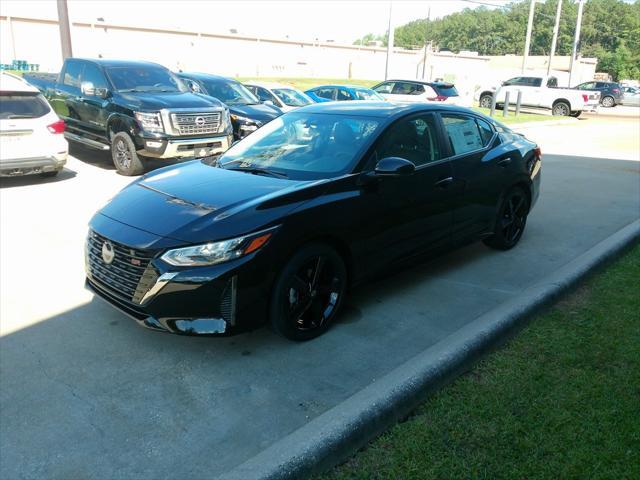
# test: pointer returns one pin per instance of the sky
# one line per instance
(342, 21)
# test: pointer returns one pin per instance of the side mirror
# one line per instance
(88, 89)
(102, 92)
(395, 166)
(268, 102)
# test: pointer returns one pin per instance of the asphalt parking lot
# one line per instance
(86, 393)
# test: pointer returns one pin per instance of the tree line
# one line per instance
(610, 32)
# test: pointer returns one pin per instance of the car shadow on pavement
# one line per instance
(25, 180)
(102, 158)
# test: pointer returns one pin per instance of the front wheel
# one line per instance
(512, 218)
(124, 155)
(308, 293)
(561, 109)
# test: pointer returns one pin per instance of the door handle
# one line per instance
(504, 162)
(444, 183)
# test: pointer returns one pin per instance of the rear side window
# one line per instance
(486, 132)
(552, 82)
(463, 133)
(446, 90)
(22, 105)
(72, 74)
(325, 93)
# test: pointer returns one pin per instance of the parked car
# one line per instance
(285, 97)
(417, 91)
(247, 112)
(610, 92)
(540, 92)
(135, 109)
(282, 224)
(31, 134)
(630, 96)
(330, 93)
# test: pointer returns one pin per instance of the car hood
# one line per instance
(195, 202)
(260, 112)
(159, 100)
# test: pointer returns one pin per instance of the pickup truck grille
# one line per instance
(196, 123)
(129, 275)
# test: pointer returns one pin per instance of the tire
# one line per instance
(608, 101)
(485, 100)
(124, 155)
(308, 293)
(561, 109)
(50, 174)
(576, 114)
(511, 220)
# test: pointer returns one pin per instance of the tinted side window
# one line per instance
(325, 93)
(264, 95)
(486, 132)
(414, 139)
(344, 95)
(72, 74)
(535, 82)
(93, 74)
(405, 88)
(463, 133)
(385, 87)
(515, 81)
(552, 82)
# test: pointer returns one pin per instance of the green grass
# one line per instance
(560, 401)
(307, 83)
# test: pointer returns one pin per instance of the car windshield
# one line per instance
(292, 97)
(144, 79)
(366, 94)
(22, 105)
(230, 92)
(303, 146)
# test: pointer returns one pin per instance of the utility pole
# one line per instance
(389, 41)
(65, 31)
(554, 40)
(576, 40)
(426, 26)
(527, 42)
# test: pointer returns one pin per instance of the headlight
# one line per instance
(217, 252)
(150, 121)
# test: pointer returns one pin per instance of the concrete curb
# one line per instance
(339, 432)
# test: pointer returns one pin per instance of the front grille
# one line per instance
(196, 123)
(128, 276)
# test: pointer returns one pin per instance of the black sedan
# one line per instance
(314, 202)
(246, 111)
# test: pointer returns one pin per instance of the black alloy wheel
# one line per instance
(512, 219)
(309, 292)
(124, 155)
(485, 101)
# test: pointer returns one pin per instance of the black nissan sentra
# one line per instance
(279, 227)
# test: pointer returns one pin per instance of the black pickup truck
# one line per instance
(136, 109)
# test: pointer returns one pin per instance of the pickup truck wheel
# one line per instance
(485, 101)
(561, 109)
(124, 155)
(608, 102)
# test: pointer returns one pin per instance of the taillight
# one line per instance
(439, 98)
(585, 97)
(537, 152)
(57, 127)
(616, 90)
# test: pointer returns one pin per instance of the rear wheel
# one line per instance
(485, 100)
(124, 155)
(512, 218)
(561, 109)
(608, 101)
(308, 293)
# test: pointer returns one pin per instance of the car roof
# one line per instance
(13, 83)
(269, 85)
(118, 63)
(366, 108)
(422, 82)
(206, 76)
(354, 87)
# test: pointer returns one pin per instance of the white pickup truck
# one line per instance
(541, 92)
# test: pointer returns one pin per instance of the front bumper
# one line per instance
(14, 167)
(185, 147)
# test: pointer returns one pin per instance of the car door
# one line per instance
(412, 214)
(90, 107)
(66, 94)
(482, 168)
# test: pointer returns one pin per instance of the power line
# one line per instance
(478, 2)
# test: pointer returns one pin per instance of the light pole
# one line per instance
(389, 42)
(65, 31)
(527, 42)
(554, 40)
(576, 40)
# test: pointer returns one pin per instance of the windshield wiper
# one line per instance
(259, 171)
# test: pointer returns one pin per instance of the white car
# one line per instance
(285, 97)
(541, 92)
(631, 96)
(417, 91)
(31, 134)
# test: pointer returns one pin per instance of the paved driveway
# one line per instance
(85, 393)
